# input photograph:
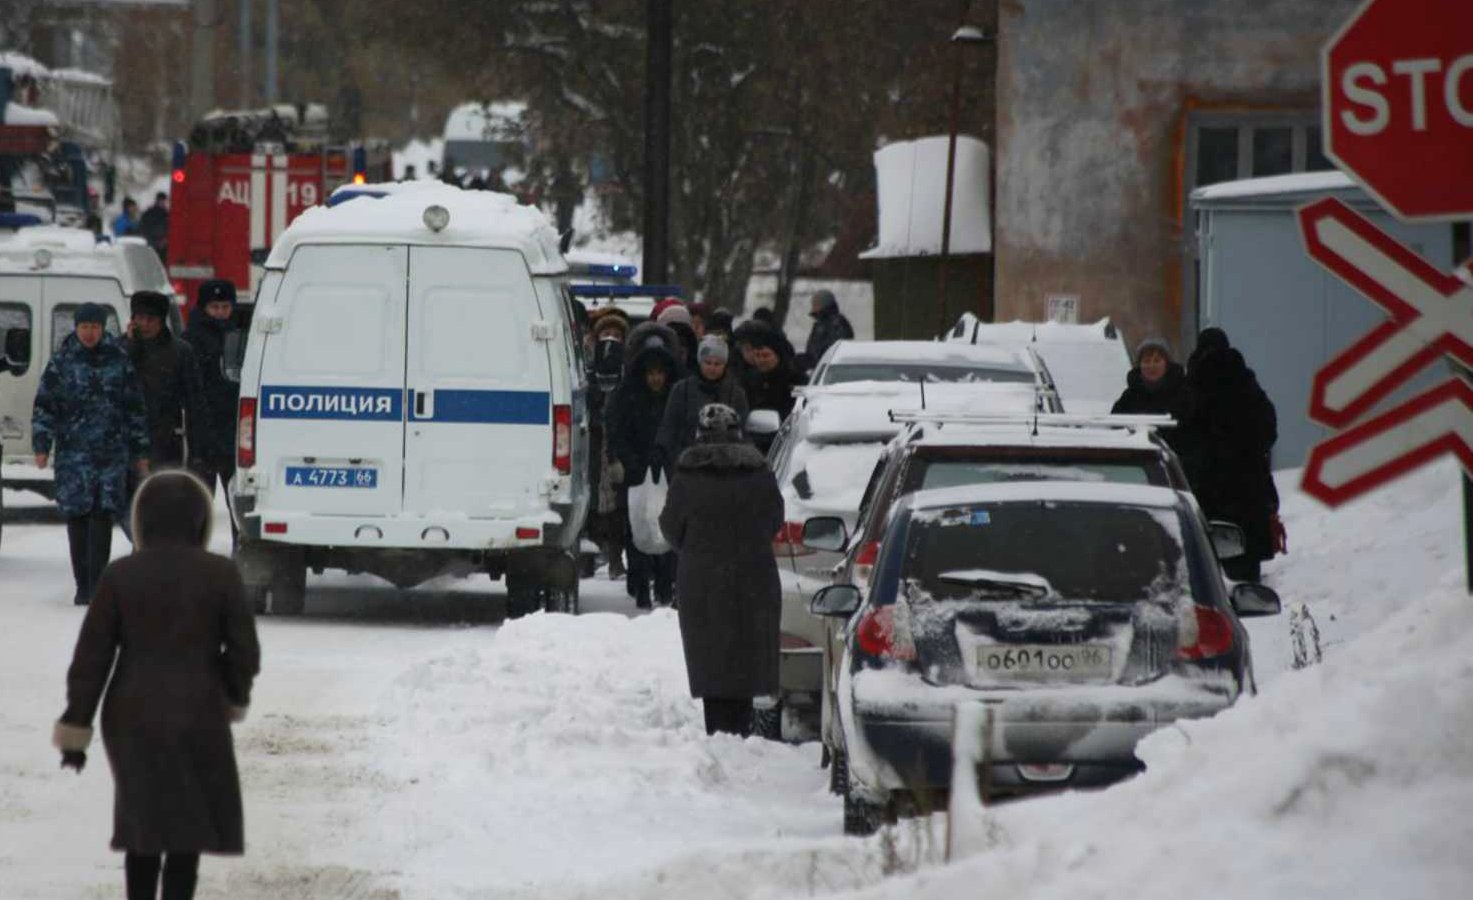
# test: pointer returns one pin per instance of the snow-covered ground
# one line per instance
(405, 745)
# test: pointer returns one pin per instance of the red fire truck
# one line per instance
(242, 178)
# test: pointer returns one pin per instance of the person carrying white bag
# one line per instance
(632, 419)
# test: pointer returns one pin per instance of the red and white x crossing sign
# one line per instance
(1430, 320)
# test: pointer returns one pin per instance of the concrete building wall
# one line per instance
(1096, 102)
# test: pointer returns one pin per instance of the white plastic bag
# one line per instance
(646, 502)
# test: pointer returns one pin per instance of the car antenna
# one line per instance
(923, 393)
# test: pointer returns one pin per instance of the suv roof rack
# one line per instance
(1030, 420)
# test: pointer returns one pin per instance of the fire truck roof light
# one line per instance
(359, 178)
(178, 176)
(178, 156)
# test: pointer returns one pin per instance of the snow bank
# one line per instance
(419, 154)
(1348, 779)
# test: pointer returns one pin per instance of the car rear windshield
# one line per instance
(929, 474)
(929, 373)
(1076, 551)
(834, 472)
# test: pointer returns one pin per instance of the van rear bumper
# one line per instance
(397, 532)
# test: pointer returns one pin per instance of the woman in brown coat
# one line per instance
(171, 640)
(722, 513)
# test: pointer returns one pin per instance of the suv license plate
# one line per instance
(1045, 662)
(331, 477)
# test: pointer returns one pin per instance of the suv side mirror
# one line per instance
(1228, 540)
(825, 533)
(1250, 599)
(764, 422)
(838, 601)
(232, 355)
(17, 350)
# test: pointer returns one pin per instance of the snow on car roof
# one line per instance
(1024, 434)
(477, 219)
(863, 407)
(941, 352)
(1047, 491)
(1019, 332)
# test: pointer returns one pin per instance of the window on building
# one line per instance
(1273, 151)
(1217, 155)
(1231, 146)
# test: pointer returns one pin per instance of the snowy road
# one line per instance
(408, 745)
(404, 744)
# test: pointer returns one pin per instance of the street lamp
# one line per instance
(967, 34)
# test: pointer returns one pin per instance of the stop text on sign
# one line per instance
(1371, 92)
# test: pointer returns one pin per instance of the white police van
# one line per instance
(412, 400)
(46, 272)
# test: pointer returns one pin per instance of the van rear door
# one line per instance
(20, 308)
(479, 433)
(330, 412)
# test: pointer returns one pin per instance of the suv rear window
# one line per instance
(1016, 550)
(945, 473)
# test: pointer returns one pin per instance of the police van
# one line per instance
(412, 400)
(46, 272)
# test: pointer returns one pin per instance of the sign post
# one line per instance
(1398, 118)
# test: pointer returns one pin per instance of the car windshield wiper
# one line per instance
(1012, 584)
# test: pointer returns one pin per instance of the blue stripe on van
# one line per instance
(490, 407)
(338, 403)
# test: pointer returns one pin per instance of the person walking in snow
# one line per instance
(212, 450)
(710, 383)
(172, 391)
(607, 520)
(829, 326)
(1233, 428)
(722, 512)
(89, 421)
(770, 377)
(632, 423)
(168, 649)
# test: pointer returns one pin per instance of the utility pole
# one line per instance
(964, 35)
(273, 38)
(658, 52)
(202, 57)
(247, 43)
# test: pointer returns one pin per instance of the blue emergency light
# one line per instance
(18, 220)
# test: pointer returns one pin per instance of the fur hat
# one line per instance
(608, 318)
(675, 313)
(172, 507)
(149, 303)
(93, 313)
(214, 291)
(713, 347)
(718, 423)
(1153, 343)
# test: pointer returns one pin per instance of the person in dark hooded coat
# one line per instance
(721, 515)
(1233, 429)
(1158, 386)
(169, 651)
(711, 382)
(173, 393)
(212, 456)
(632, 420)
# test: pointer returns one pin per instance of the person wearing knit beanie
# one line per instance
(672, 314)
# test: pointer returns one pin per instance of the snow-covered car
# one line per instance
(1087, 363)
(937, 451)
(46, 272)
(822, 459)
(1083, 615)
(933, 362)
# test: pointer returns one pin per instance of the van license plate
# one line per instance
(331, 477)
(1047, 662)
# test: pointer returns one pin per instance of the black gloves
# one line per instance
(74, 759)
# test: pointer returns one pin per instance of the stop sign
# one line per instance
(1398, 104)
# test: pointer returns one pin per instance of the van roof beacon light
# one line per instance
(436, 217)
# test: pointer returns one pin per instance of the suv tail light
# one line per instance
(1204, 633)
(883, 634)
(245, 434)
(864, 563)
(789, 540)
(562, 439)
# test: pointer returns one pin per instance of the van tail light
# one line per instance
(793, 642)
(789, 540)
(1204, 633)
(245, 434)
(562, 439)
(885, 634)
(864, 563)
